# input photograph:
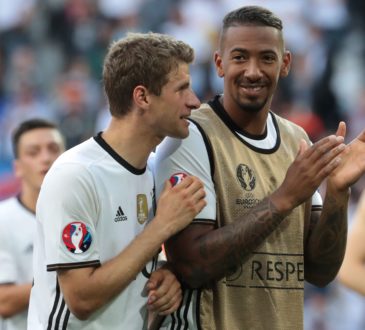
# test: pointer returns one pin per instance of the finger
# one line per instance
(184, 183)
(164, 294)
(341, 129)
(171, 309)
(327, 163)
(303, 146)
(323, 146)
(329, 168)
(200, 205)
(154, 280)
(167, 186)
(199, 194)
(195, 185)
(332, 154)
(361, 136)
(167, 302)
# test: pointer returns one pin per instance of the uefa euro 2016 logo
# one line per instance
(76, 237)
(246, 177)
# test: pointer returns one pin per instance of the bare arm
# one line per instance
(87, 289)
(202, 253)
(14, 298)
(326, 244)
(352, 272)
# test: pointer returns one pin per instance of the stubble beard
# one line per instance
(254, 106)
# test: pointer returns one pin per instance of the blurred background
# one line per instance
(51, 54)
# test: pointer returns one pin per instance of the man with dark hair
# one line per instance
(264, 229)
(97, 230)
(36, 144)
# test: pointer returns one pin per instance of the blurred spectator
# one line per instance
(77, 99)
(36, 144)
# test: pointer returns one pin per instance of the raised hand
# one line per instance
(311, 166)
(352, 165)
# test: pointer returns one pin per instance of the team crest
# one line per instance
(142, 208)
(76, 237)
(246, 177)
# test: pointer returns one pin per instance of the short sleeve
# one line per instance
(8, 272)
(190, 156)
(67, 211)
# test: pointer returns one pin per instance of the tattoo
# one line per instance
(226, 249)
(325, 247)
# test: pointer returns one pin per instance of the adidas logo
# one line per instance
(120, 215)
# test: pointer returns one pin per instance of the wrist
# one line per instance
(335, 192)
(161, 228)
(282, 204)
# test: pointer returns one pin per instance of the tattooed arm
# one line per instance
(326, 243)
(201, 253)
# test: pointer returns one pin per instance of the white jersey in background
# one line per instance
(17, 228)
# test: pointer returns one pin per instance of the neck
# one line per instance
(130, 140)
(28, 197)
(253, 123)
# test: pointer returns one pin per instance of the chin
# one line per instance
(180, 135)
(252, 107)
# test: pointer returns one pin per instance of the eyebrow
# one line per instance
(184, 85)
(37, 145)
(244, 50)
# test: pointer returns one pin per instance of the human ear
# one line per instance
(218, 64)
(140, 96)
(285, 66)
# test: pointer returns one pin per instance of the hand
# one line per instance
(352, 165)
(311, 166)
(164, 292)
(178, 205)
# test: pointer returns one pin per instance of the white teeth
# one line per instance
(254, 88)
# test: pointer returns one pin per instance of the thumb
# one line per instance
(154, 280)
(361, 136)
(303, 146)
(168, 185)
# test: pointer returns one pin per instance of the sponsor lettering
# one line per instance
(277, 271)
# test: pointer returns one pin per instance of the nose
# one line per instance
(47, 156)
(193, 100)
(252, 70)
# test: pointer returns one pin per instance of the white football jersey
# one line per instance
(91, 206)
(17, 228)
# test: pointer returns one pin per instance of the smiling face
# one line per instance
(37, 150)
(172, 107)
(251, 60)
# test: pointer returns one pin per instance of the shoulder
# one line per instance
(87, 152)
(13, 215)
(288, 127)
(7, 206)
(170, 146)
